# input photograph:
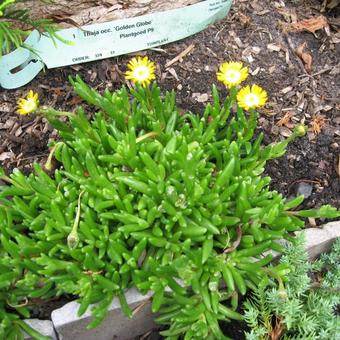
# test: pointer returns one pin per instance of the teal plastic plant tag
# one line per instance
(26, 63)
(104, 40)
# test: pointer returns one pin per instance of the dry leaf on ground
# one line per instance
(286, 120)
(311, 25)
(317, 124)
(244, 19)
(305, 57)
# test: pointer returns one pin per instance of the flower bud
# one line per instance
(72, 240)
(300, 130)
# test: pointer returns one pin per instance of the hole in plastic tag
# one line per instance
(20, 66)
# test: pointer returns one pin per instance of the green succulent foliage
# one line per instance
(306, 311)
(150, 198)
(16, 24)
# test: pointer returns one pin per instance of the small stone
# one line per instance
(304, 189)
(320, 240)
(334, 146)
(201, 97)
(256, 49)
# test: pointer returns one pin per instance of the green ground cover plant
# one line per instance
(16, 24)
(306, 309)
(145, 196)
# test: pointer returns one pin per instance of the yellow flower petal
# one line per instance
(140, 71)
(251, 97)
(232, 73)
(29, 104)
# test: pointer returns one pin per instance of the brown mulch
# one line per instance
(292, 57)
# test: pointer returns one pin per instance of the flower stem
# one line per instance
(147, 135)
(73, 238)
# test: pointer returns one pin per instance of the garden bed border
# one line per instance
(66, 325)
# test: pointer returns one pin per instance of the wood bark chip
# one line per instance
(330, 4)
(84, 12)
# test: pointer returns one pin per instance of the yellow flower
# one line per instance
(251, 97)
(141, 71)
(28, 105)
(232, 73)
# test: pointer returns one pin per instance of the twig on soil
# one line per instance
(236, 243)
(218, 33)
(331, 99)
(26, 158)
(317, 285)
(145, 336)
(292, 48)
(212, 52)
(157, 49)
(140, 306)
(25, 303)
(316, 73)
(180, 56)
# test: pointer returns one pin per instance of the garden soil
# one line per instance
(291, 49)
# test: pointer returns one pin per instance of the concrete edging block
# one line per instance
(320, 240)
(117, 326)
(45, 327)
